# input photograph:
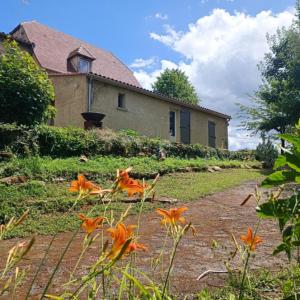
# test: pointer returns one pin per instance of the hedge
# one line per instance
(61, 142)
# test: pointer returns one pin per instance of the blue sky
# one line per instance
(217, 43)
(123, 26)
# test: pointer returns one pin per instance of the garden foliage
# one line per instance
(26, 93)
(66, 142)
(266, 152)
(285, 210)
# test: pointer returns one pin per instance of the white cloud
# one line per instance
(143, 63)
(158, 15)
(170, 38)
(147, 78)
(221, 52)
(161, 16)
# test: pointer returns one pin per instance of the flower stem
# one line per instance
(171, 263)
(39, 267)
(103, 286)
(244, 276)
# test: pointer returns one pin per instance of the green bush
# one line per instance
(21, 140)
(266, 152)
(26, 93)
(65, 142)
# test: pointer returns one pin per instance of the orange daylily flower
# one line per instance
(132, 186)
(82, 185)
(120, 234)
(251, 240)
(90, 224)
(172, 215)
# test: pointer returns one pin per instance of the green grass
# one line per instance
(191, 186)
(261, 285)
(49, 203)
(105, 167)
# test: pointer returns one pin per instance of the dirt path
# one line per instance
(214, 217)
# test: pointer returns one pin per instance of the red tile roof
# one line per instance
(81, 51)
(52, 49)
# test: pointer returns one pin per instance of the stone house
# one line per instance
(90, 79)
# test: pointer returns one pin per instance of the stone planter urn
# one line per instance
(92, 120)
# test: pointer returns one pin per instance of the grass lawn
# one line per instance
(104, 167)
(49, 203)
(191, 186)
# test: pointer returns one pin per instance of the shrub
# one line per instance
(21, 140)
(26, 93)
(64, 142)
(266, 152)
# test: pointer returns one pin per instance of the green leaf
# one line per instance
(279, 177)
(123, 283)
(231, 297)
(282, 222)
(280, 162)
(283, 209)
(293, 162)
(287, 234)
(283, 248)
(138, 284)
(293, 139)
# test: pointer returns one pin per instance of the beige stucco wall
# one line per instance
(147, 115)
(150, 116)
(70, 99)
(199, 129)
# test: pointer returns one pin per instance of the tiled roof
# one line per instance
(81, 51)
(25, 44)
(146, 92)
(52, 49)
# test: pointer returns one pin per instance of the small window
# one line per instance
(84, 65)
(211, 134)
(172, 118)
(121, 101)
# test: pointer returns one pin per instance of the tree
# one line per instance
(26, 93)
(174, 83)
(277, 101)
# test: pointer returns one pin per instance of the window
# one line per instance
(211, 134)
(121, 101)
(84, 65)
(172, 121)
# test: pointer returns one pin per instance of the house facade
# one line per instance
(90, 79)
